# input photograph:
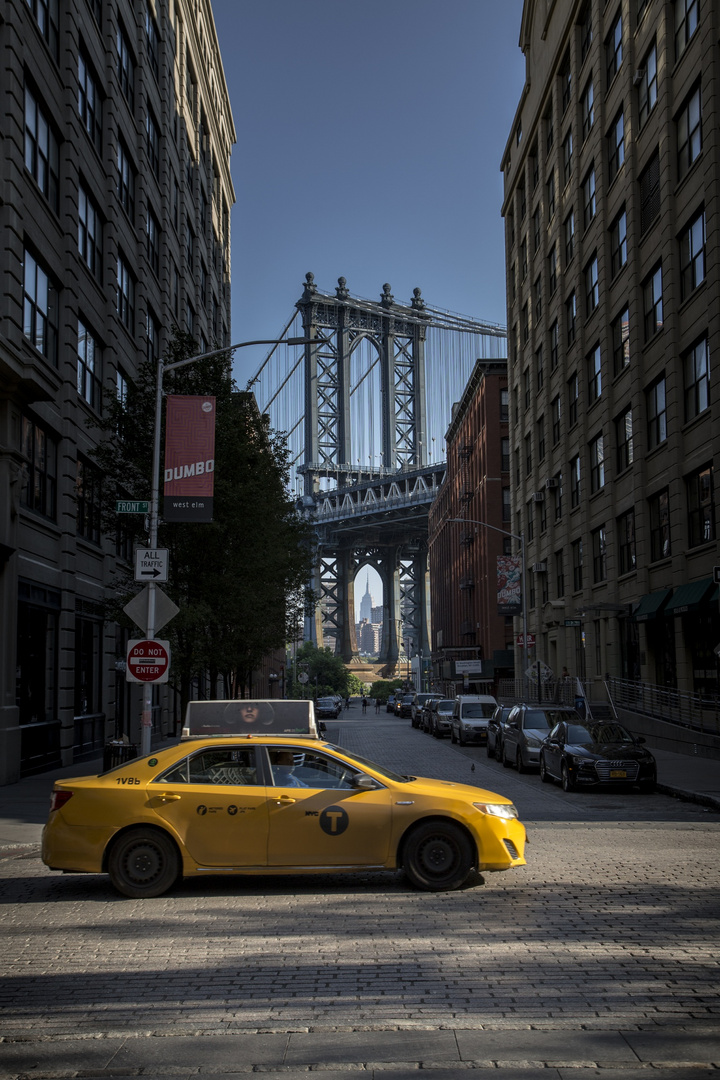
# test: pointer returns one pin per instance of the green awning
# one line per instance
(651, 605)
(688, 597)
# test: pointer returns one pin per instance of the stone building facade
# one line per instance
(115, 219)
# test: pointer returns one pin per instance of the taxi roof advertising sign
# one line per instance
(249, 716)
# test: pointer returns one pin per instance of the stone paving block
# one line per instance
(462, 1071)
(555, 1046)
(665, 1044)
(634, 1074)
(201, 1051)
(371, 1046)
(41, 1057)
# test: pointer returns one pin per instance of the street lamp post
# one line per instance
(162, 367)
(521, 538)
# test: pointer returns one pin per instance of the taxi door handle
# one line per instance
(285, 800)
(168, 796)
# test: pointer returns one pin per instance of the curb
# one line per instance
(711, 801)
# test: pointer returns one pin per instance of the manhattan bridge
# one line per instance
(365, 406)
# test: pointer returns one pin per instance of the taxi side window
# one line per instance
(223, 766)
(315, 770)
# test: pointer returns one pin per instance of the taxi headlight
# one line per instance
(502, 810)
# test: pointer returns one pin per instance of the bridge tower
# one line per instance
(395, 545)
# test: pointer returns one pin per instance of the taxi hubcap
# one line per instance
(438, 855)
(143, 864)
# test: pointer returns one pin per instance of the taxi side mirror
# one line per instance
(363, 782)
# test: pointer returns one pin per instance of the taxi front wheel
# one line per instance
(143, 862)
(438, 856)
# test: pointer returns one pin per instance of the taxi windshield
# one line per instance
(387, 773)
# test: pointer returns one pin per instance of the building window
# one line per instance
(176, 204)
(190, 319)
(88, 498)
(653, 303)
(592, 287)
(523, 201)
(594, 375)
(552, 271)
(689, 133)
(46, 16)
(692, 255)
(555, 413)
(89, 368)
(613, 49)
(621, 341)
(539, 368)
(587, 107)
(624, 440)
(647, 92)
(523, 258)
(527, 384)
(559, 575)
(701, 506)
(88, 660)
(659, 506)
(38, 613)
(551, 194)
(565, 82)
(153, 242)
(541, 438)
(559, 496)
(597, 464)
(573, 396)
(89, 103)
(89, 234)
(570, 316)
(686, 23)
(696, 369)
(528, 455)
(152, 38)
(41, 150)
(176, 291)
(504, 403)
(506, 504)
(650, 192)
(125, 68)
(534, 165)
(575, 481)
(577, 564)
(537, 295)
(190, 237)
(190, 87)
(586, 33)
(39, 489)
(567, 149)
(536, 229)
(152, 143)
(599, 554)
(569, 237)
(121, 387)
(505, 454)
(589, 203)
(618, 243)
(626, 542)
(554, 345)
(656, 413)
(125, 294)
(152, 336)
(40, 314)
(549, 129)
(616, 146)
(125, 181)
(526, 321)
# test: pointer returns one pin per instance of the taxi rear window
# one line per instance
(218, 765)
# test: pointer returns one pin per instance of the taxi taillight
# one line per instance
(58, 799)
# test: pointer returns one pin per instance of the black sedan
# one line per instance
(596, 754)
(327, 708)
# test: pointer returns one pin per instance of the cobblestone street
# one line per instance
(611, 928)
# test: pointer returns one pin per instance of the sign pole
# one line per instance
(146, 726)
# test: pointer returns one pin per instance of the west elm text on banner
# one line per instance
(189, 458)
(509, 585)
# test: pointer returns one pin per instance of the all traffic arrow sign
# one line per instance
(151, 564)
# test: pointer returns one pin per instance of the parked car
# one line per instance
(471, 713)
(390, 703)
(426, 714)
(584, 753)
(327, 708)
(416, 708)
(525, 729)
(495, 728)
(440, 717)
(403, 705)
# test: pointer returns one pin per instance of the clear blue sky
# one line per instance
(369, 139)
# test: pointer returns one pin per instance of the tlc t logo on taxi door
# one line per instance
(334, 820)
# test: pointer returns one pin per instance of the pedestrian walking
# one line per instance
(364, 704)
(377, 705)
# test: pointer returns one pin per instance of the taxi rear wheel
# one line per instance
(438, 856)
(143, 862)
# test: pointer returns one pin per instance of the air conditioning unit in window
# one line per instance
(539, 568)
(538, 496)
(638, 76)
(552, 482)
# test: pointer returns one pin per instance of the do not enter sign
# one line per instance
(148, 661)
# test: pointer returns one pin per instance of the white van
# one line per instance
(470, 718)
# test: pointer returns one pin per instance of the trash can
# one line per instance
(117, 753)
(580, 706)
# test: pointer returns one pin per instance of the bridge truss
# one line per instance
(365, 406)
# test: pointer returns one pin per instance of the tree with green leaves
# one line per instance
(240, 580)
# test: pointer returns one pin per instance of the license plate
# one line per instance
(618, 774)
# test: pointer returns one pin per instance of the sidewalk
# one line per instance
(24, 806)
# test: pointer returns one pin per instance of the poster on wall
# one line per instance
(509, 585)
(189, 458)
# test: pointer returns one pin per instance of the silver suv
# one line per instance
(524, 730)
(470, 718)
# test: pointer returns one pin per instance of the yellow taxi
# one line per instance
(253, 788)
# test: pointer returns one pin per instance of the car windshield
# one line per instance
(598, 733)
(478, 709)
(422, 698)
(540, 719)
(409, 698)
(326, 702)
(387, 773)
(445, 706)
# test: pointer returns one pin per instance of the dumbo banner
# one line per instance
(189, 458)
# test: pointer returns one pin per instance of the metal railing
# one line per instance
(674, 706)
